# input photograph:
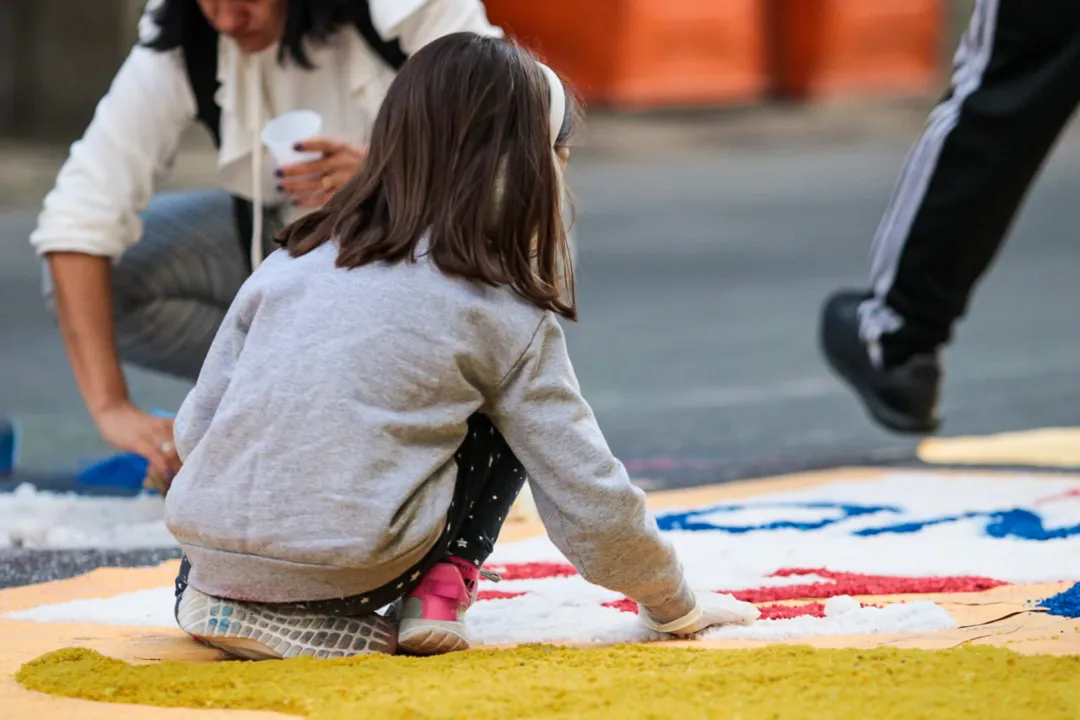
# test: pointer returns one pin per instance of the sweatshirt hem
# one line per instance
(252, 578)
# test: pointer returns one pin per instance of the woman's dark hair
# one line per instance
(460, 153)
(313, 20)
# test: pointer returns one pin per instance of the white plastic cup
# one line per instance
(283, 132)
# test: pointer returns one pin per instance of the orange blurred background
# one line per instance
(645, 53)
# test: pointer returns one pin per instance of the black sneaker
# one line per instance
(903, 398)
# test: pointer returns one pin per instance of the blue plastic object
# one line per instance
(8, 447)
(124, 470)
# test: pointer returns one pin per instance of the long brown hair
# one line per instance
(466, 115)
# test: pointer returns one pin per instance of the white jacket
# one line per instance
(112, 172)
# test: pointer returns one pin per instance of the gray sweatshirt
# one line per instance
(319, 441)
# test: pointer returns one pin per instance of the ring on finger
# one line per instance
(167, 447)
(327, 183)
(157, 481)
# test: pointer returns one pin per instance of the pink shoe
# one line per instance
(433, 615)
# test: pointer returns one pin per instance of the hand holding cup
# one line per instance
(311, 168)
(310, 184)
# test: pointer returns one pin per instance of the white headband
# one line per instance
(558, 101)
(556, 118)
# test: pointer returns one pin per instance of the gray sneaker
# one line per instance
(261, 632)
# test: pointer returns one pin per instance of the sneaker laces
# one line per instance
(472, 586)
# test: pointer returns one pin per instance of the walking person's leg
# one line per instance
(1015, 84)
(172, 289)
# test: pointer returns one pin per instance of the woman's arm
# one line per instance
(92, 215)
(110, 174)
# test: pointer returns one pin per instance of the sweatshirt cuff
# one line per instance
(82, 245)
(678, 606)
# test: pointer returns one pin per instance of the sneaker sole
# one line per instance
(256, 632)
(878, 411)
(431, 637)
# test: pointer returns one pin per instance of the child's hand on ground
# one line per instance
(712, 609)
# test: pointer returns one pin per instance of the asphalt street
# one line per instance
(700, 277)
(701, 271)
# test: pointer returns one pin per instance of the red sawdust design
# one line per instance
(845, 583)
(836, 583)
(498, 595)
(533, 570)
(768, 612)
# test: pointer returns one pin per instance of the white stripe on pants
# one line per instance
(969, 65)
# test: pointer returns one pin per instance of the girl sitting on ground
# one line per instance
(382, 388)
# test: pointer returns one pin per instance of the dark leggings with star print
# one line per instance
(489, 480)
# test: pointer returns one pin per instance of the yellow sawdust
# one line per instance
(776, 682)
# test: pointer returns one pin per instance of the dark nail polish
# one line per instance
(280, 188)
(279, 173)
(298, 147)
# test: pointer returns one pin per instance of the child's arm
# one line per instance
(198, 409)
(592, 512)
